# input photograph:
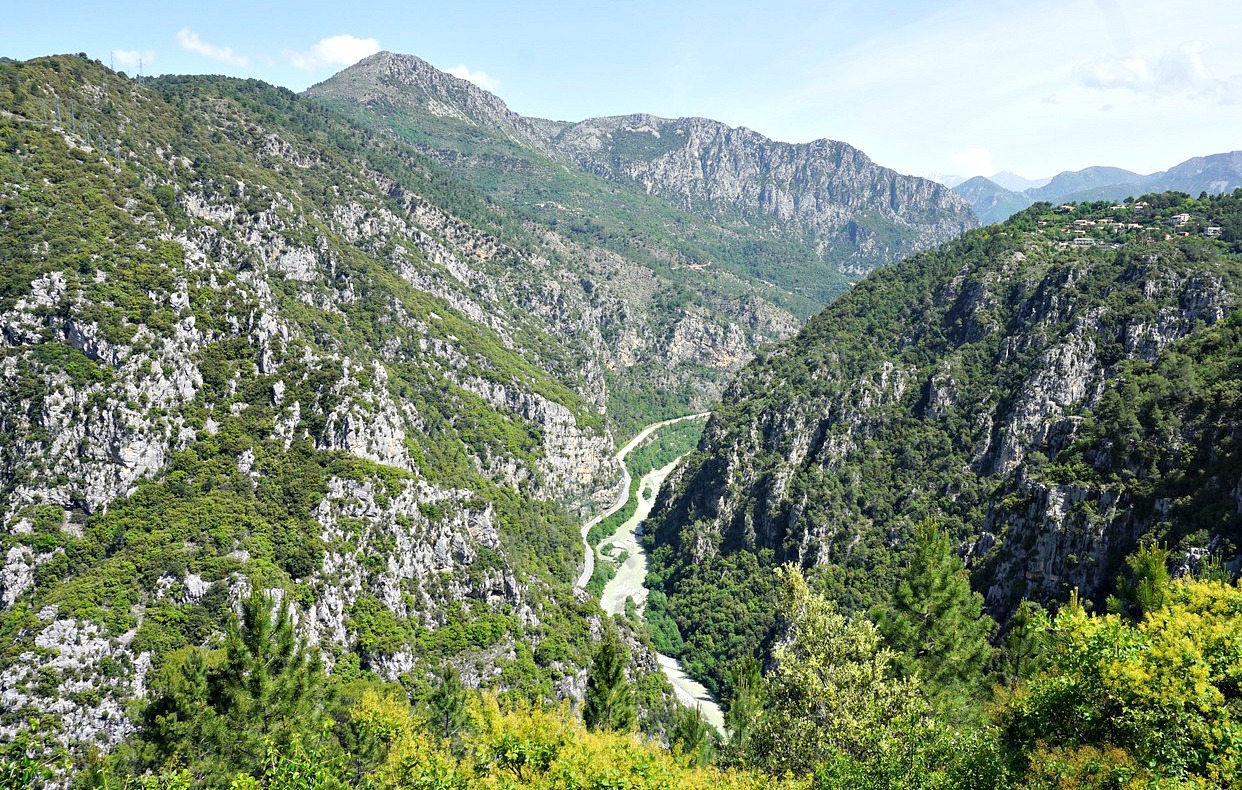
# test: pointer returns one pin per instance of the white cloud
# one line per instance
(974, 162)
(480, 78)
(1180, 71)
(132, 58)
(343, 50)
(189, 40)
(1132, 73)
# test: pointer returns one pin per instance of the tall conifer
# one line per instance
(609, 703)
(936, 624)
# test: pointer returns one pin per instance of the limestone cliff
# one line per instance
(802, 218)
(854, 213)
(1052, 390)
(241, 338)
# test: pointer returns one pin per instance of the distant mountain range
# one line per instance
(1017, 183)
(1005, 178)
(808, 218)
(997, 198)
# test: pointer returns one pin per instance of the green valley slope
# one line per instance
(1051, 400)
(748, 236)
(244, 340)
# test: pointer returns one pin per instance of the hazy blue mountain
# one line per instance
(1212, 174)
(1072, 182)
(1016, 183)
(1215, 174)
(991, 202)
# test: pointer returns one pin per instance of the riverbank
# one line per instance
(623, 495)
(628, 582)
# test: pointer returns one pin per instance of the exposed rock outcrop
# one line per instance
(990, 384)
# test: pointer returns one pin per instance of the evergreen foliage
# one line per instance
(744, 703)
(95, 183)
(609, 701)
(936, 624)
(832, 690)
(891, 406)
(215, 710)
(690, 735)
(446, 707)
(834, 710)
(1144, 587)
(104, 185)
(509, 746)
(1024, 648)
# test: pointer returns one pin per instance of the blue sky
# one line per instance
(967, 87)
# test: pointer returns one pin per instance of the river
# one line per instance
(628, 583)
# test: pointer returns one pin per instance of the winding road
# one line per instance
(628, 583)
(624, 496)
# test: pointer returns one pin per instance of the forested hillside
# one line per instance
(304, 401)
(1053, 390)
(250, 342)
(242, 344)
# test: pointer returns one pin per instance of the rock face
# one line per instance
(854, 213)
(1050, 403)
(227, 347)
(395, 79)
(849, 213)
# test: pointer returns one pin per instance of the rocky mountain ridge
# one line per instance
(680, 323)
(995, 202)
(850, 213)
(827, 191)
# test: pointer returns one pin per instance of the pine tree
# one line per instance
(1024, 649)
(1147, 584)
(271, 680)
(446, 707)
(217, 714)
(936, 624)
(690, 733)
(609, 703)
(744, 701)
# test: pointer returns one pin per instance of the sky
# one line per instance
(967, 88)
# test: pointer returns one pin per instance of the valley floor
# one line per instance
(628, 582)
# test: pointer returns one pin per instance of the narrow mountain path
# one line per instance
(628, 583)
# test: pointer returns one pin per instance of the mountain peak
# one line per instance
(847, 209)
(408, 76)
(394, 80)
(1016, 183)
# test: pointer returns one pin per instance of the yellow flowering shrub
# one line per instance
(533, 747)
(1165, 691)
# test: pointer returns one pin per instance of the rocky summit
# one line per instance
(850, 214)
